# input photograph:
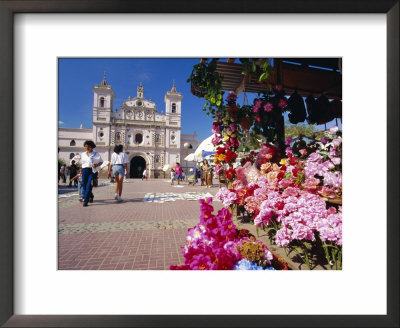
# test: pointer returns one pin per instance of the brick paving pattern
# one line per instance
(144, 232)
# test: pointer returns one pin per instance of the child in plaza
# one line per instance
(172, 176)
(78, 177)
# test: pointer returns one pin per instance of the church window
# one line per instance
(72, 143)
(157, 137)
(138, 138)
(71, 156)
(173, 108)
(157, 158)
(118, 136)
(101, 101)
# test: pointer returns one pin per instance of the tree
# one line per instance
(293, 131)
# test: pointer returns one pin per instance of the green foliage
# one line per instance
(260, 68)
(253, 142)
(61, 161)
(207, 83)
(293, 131)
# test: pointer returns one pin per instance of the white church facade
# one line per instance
(150, 139)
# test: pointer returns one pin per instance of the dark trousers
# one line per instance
(87, 177)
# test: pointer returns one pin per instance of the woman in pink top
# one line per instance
(178, 172)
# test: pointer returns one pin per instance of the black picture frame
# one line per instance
(7, 201)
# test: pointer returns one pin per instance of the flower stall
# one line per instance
(288, 192)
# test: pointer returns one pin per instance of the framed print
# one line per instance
(121, 28)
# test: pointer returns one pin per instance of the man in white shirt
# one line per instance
(91, 162)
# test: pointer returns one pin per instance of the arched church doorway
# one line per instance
(138, 164)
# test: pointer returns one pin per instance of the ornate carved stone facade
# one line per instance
(150, 139)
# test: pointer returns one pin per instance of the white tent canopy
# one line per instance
(191, 158)
(205, 145)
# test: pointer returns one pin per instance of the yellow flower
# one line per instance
(221, 157)
(283, 161)
(226, 138)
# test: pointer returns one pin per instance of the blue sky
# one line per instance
(77, 76)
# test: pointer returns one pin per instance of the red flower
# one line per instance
(220, 150)
(295, 170)
(230, 173)
(230, 156)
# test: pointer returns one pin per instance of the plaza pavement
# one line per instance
(144, 232)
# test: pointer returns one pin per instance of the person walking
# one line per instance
(206, 170)
(67, 173)
(144, 174)
(178, 172)
(59, 171)
(73, 171)
(119, 165)
(195, 172)
(62, 172)
(78, 177)
(91, 161)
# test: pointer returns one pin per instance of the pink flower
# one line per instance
(290, 192)
(288, 141)
(284, 183)
(311, 183)
(336, 160)
(216, 127)
(226, 196)
(334, 129)
(200, 262)
(258, 119)
(278, 87)
(337, 142)
(268, 107)
(216, 140)
(282, 237)
(303, 151)
(257, 105)
(282, 103)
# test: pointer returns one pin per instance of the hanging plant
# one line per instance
(260, 68)
(206, 83)
(267, 112)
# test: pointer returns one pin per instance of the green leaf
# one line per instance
(263, 76)
(264, 65)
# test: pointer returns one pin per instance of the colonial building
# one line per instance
(150, 139)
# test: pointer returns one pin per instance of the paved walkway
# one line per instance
(144, 232)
